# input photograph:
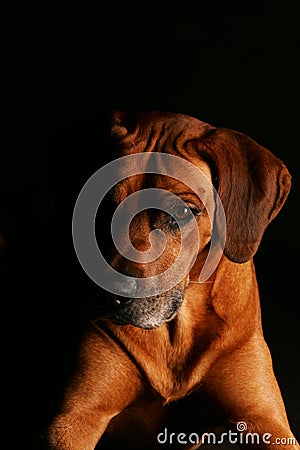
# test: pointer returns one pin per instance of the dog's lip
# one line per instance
(173, 315)
(122, 322)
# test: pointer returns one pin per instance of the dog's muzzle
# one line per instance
(147, 312)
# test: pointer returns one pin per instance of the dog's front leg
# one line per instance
(104, 384)
(244, 386)
(77, 430)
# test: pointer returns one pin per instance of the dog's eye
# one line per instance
(182, 213)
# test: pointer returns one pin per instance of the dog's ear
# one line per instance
(252, 184)
(123, 123)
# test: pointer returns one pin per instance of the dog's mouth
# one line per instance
(147, 312)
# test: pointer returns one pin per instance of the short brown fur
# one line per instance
(209, 365)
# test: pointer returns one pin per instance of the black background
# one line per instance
(230, 64)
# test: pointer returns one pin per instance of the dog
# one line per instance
(167, 369)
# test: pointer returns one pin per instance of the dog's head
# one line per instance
(251, 183)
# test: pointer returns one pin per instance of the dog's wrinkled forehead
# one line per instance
(155, 131)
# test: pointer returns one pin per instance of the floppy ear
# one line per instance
(252, 184)
(123, 122)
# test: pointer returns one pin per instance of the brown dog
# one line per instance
(160, 371)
